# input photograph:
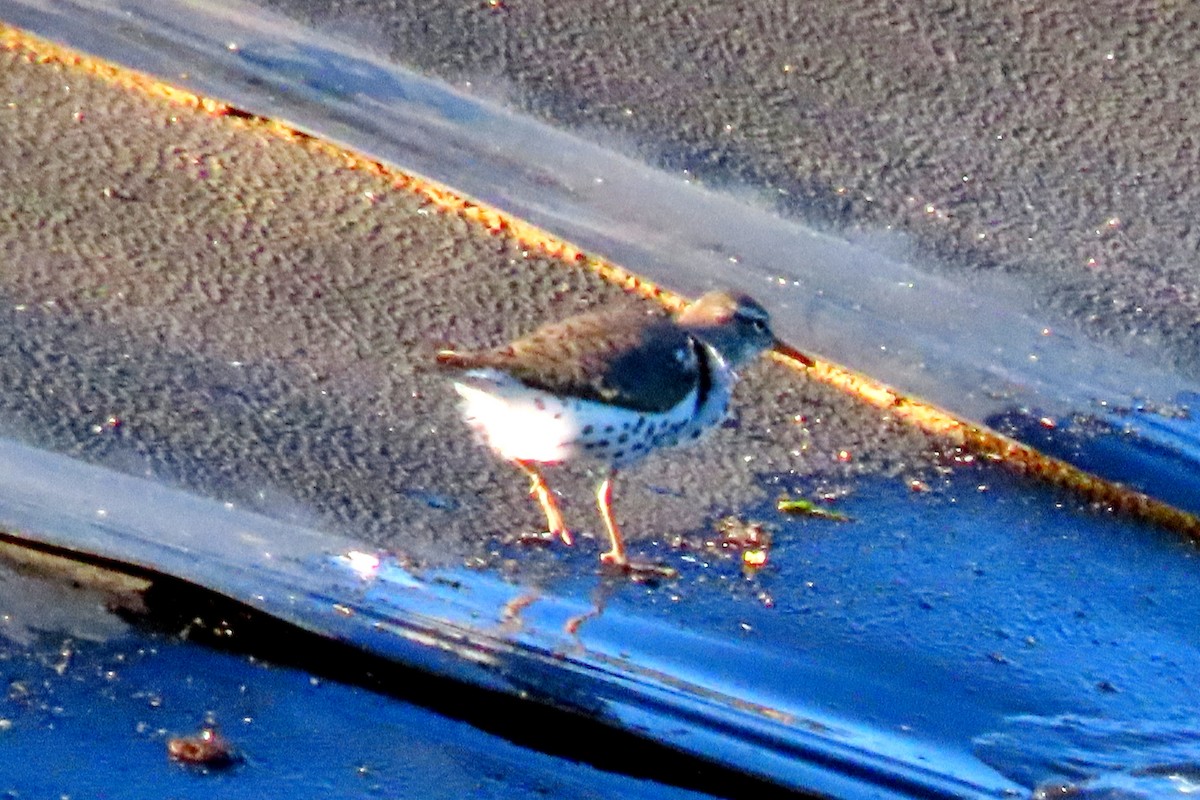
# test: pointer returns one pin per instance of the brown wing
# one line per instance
(642, 362)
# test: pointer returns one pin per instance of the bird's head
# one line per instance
(735, 325)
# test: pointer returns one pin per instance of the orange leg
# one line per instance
(538, 488)
(616, 555)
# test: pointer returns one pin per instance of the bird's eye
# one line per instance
(759, 325)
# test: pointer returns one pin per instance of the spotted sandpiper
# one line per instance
(609, 388)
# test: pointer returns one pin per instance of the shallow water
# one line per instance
(891, 650)
(95, 718)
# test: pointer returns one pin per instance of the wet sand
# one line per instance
(1054, 141)
(202, 299)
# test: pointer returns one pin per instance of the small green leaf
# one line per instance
(808, 508)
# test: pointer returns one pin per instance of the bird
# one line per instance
(607, 388)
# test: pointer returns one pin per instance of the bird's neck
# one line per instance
(715, 380)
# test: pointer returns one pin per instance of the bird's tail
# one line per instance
(452, 359)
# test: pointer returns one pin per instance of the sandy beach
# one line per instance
(200, 298)
(1053, 141)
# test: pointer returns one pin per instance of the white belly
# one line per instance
(524, 424)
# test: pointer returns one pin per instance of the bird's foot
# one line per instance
(545, 537)
(637, 570)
